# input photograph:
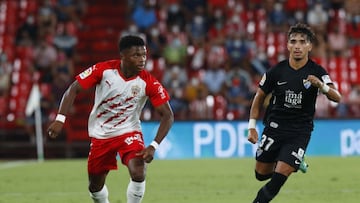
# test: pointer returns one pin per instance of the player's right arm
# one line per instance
(255, 109)
(66, 102)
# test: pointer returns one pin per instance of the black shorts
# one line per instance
(288, 147)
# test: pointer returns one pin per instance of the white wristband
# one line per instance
(154, 144)
(325, 88)
(252, 123)
(60, 118)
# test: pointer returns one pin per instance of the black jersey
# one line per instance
(292, 104)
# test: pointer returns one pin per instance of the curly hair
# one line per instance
(302, 28)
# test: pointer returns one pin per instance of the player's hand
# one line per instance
(252, 135)
(315, 81)
(147, 154)
(54, 129)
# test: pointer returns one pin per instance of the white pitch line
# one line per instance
(13, 164)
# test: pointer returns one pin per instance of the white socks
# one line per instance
(101, 196)
(135, 191)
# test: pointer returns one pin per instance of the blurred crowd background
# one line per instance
(209, 54)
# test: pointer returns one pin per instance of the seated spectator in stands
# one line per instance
(337, 42)
(175, 80)
(317, 17)
(237, 92)
(5, 74)
(201, 108)
(27, 33)
(175, 15)
(277, 17)
(198, 25)
(320, 49)
(175, 51)
(144, 16)
(156, 41)
(46, 20)
(214, 77)
(237, 48)
(64, 41)
(45, 59)
(353, 101)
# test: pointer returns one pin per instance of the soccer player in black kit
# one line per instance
(294, 85)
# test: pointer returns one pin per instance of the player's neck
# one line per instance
(297, 64)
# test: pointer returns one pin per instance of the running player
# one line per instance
(294, 85)
(122, 88)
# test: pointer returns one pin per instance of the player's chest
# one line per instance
(114, 84)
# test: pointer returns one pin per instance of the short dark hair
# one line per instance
(129, 41)
(302, 29)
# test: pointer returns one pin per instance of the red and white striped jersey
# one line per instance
(119, 100)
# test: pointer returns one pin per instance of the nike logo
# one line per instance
(297, 162)
(281, 83)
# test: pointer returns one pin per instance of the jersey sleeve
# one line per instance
(89, 77)
(156, 92)
(324, 75)
(266, 82)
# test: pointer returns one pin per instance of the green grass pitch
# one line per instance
(328, 180)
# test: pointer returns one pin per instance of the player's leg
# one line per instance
(97, 188)
(136, 166)
(102, 159)
(264, 171)
(136, 186)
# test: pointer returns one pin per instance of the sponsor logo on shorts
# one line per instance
(129, 140)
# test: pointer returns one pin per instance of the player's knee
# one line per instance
(262, 177)
(95, 187)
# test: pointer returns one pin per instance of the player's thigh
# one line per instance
(293, 151)
(264, 168)
(269, 147)
(137, 169)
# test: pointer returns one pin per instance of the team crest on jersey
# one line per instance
(86, 73)
(306, 83)
(135, 90)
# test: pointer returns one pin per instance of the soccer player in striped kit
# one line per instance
(122, 88)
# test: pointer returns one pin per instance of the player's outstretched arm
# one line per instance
(66, 102)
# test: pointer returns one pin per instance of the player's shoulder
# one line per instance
(147, 76)
(109, 64)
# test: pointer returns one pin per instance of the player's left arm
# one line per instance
(166, 121)
(329, 90)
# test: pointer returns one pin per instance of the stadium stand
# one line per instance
(186, 34)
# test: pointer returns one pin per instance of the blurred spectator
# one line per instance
(201, 108)
(144, 15)
(45, 59)
(337, 42)
(237, 92)
(198, 25)
(63, 74)
(27, 33)
(237, 48)
(320, 47)
(176, 15)
(353, 101)
(175, 51)
(214, 77)
(277, 17)
(175, 80)
(317, 18)
(64, 41)
(5, 73)
(156, 41)
(46, 19)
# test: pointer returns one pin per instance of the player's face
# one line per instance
(134, 59)
(299, 46)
